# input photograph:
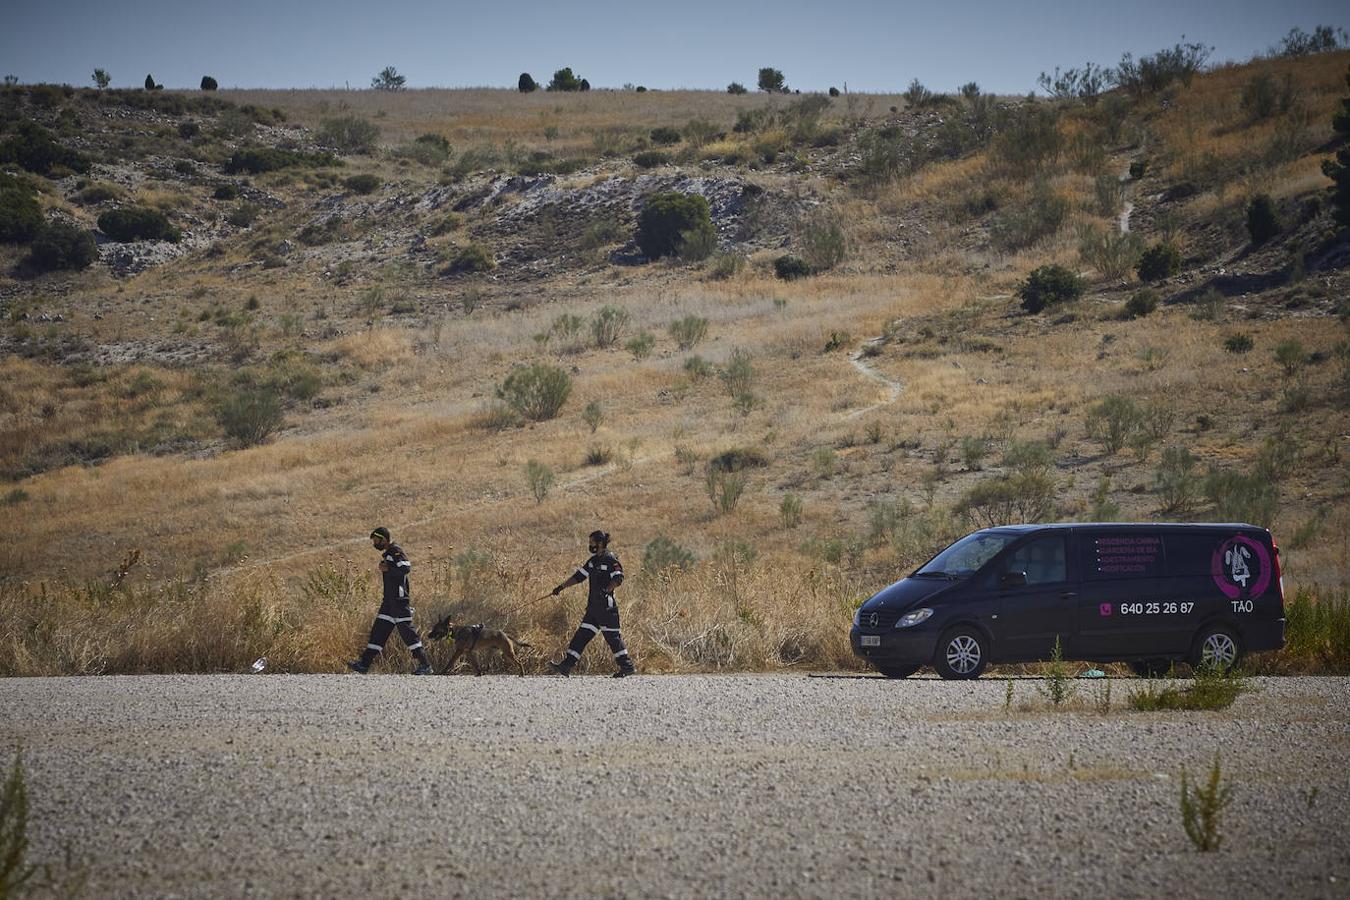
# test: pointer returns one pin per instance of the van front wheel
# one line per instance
(1216, 647)
(962, 653)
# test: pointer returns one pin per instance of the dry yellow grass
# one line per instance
(265, 546)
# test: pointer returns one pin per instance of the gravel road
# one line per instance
(698, 786)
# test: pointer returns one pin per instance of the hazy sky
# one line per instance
(870, 44)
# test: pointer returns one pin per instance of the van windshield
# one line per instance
(967, 555)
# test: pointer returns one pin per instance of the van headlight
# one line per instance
(913, 617)
(857, 616)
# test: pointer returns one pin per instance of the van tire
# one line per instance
(1219, 642)
(1151, 668)
(891, 670)
(962, 653)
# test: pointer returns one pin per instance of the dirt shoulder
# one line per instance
(235, 786)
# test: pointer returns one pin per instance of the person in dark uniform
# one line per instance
(395, 609)
(605, 573)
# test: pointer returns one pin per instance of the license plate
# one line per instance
(871, 640)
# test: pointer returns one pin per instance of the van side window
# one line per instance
(1042, 559)
(1190, 554)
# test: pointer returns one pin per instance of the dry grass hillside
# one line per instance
(319, 353)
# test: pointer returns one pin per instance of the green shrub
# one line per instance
(188, 129)
(736, 88)
(34, 149)
(256, 160)
(536, 392)
(738, 459)
(249, 414)
(427, 149)
(608, 325)
(1243, 497)
(98, 192)
(1158, 262)
(1291, 355)
(823, 244)
(1263, 221)
(641, 345)
(1113, 254)
(1141, 303)
(1029, 140)
(790, 268)
(650, 159)
(1048, 286)
(1113, 421)
(665, 219)
(1177, 482)
(1151, 74)
(540, 479)
(790, 510)
(725, 265)
(771, 81)
(209, 83)
(689, 331)
(364, 183)
(565, 80)
(471, 258)
(347, 134)
(245, 214)
(225, 191)
(1238, 343)
(137, 223)
(665, 135)
(526, 84)
(662, 554)
(724, 489)
(20, 213)
(59, 246)
(1138, 168)
(1023, 225)
(1020, 496)
(697, 367)
(698, 243)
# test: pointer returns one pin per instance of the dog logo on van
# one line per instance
(1241, 568)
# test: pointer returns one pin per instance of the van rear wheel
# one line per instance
(890, 670)
(1216, 647)
(962, 653)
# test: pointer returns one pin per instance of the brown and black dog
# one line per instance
(471, 638)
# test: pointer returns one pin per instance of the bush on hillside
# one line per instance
(250, 414)
(1048, 286)
(1141, 303)
(526, 84)
(1263, 221)
(565, 80)
(662, 554)
(1158, 262)
(20, 213)
(790, 268)
(822, 240)
(666, 218)
(665, 135)
(650, 159)
(256, 160)
(736, 88)
(364, 183)
(59, 246)
(137, 223)
(34, 149)
(537, 392)
(347, 134)
(1150, 74)
(472, 258)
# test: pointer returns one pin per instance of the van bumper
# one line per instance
(1258, 636)
(901, 647)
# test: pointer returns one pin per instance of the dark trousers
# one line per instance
(606, 624)
(393, 614)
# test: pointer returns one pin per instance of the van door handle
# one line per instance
(1068, 595)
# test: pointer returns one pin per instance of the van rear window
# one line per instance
(1113, 554)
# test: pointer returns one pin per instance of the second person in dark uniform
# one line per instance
(605, 573)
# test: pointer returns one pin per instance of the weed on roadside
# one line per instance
(1201, 808)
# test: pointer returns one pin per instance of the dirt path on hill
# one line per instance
(858, 359)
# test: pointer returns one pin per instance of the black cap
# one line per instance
(600, 537)
(380, 532)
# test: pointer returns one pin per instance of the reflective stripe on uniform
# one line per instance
(593, 628)
(620, 653)
(572, 653)
(374, 647)
(416, 646)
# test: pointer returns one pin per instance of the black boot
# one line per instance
(359, 666)
(563, 668)
(625, 670)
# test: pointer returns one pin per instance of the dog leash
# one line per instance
(518, 607)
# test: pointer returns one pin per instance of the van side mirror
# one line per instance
(1012, 579)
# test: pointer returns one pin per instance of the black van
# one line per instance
(1146, 594)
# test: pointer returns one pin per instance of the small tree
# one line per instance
(771, 81)
(388, 80)
(150, 84)
(250, 415)
(1338, 169)
(665, 219)
(209, 83)
(102, 79)
(62, 246)
(1049, 285)
(1113, 420)
(662, 554)
(347, 134)
(1263, 221)
(526, 84)
(736, 88)
(565, 80)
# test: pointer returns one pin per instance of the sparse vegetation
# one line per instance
(1049, 286)
(1202, 807)
(537, 392)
